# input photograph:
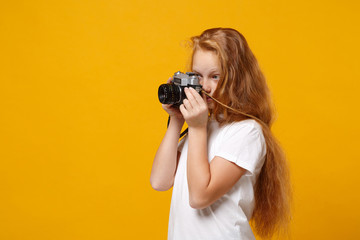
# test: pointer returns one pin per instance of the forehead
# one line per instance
(205, 60)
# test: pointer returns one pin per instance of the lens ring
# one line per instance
(169, 93)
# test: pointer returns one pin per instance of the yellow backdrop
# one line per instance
(80, 120)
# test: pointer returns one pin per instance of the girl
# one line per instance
(229, 168)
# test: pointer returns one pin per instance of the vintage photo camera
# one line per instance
(173, 93)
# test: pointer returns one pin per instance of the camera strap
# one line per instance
(235, 110)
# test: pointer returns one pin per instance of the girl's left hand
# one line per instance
(194, 109)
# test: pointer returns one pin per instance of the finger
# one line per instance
(183, 110)
(167, 106)
(191, 97)
(187, 104)
(196, 96)
(169, 80)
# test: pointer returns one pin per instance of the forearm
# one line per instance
(198, 167)
(165, 161)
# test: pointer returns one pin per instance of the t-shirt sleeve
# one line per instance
(243, 144)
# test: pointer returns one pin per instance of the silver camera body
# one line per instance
(173, 93)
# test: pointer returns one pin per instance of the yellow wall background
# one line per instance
(80, 120)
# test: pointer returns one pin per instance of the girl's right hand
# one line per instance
(173, 112)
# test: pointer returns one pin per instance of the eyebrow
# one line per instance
(212, 71)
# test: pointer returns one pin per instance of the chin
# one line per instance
(210, 105)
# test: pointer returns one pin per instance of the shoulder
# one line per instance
(242, 143)
(248, 123)
(248, 127)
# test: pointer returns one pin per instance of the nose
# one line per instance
(205, 85)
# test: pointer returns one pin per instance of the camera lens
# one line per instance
(169, 93)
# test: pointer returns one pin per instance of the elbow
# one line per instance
(159, 186)
(198, 202)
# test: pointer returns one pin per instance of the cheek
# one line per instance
(214, 85)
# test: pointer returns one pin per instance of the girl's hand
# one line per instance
(194, 109)
(173, 112)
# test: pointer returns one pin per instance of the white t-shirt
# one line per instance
(228, 218)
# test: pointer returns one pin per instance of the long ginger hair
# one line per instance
(242, 86)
